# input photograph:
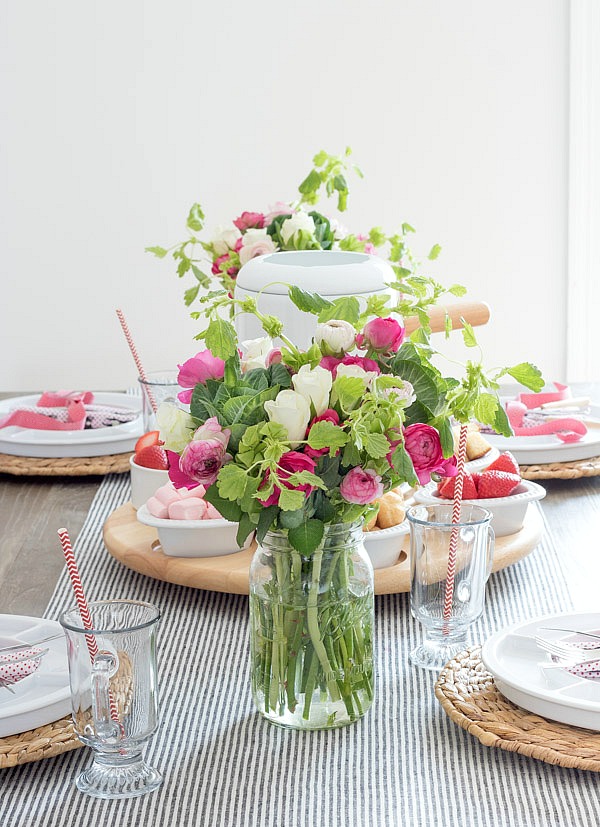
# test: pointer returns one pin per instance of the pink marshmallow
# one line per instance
(192, 508)
(157, 509)
(211, 513)
(185, 493)
(167, 494)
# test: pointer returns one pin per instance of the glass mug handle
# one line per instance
(490, 551)
(104, 665)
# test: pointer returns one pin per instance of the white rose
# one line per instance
(299, 221)
(176, 426)
(367, 376)
(255, 353)
(224, 239)
(256, 243)
(291, 410)
(314, 385)
(335, 337)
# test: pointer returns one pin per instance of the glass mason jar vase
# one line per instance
(311, 630)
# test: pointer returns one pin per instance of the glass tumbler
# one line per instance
(445, 612)
(158, 386)
(114, 694)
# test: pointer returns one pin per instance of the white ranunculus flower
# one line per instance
(335, 337)
(176, 426)
(255, 353)
(224, 239)
(405, 393)
(315, 386)
(256, 243)
(339, 230)
(291, 410)
(299, 221)
(367, 376)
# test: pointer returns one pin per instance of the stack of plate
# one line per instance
(529, 678)
(96, 442)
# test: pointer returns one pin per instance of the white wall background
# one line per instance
(116, 116)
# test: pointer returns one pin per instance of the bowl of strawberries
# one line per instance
(149, 468)
(499, 489)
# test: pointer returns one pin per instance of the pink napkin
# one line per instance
(12, 670)
(67, 411)
(523, 423)
(534, 400)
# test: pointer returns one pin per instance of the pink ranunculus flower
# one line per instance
(370, 249)
(361, 486)
(279, 208)
(216, 269)
(382, 335)
(289, 463)
(203, 457)
(196, 370)
(327, 416)
(422, 443)
(331, 363)
(273, 357)
(248, 220)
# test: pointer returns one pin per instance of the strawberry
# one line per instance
(152, 456)
(497, 484)
(151, 438)
(446, 488)
(505, 462)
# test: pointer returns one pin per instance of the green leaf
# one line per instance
(376, 445)
(485, 408)
(265, 521)
(349, 390)
(403, 465)
(306, 478)
(340, 184)
(444, 428)
(195, 219)
(345, 308)
(232, 482)
(306, 301)
(311, 183)
(407, 228)
(201, 277)
(448, 325)
(220, 338)
(457, 290)
(423, 381)
(327, 435)
(291, 500)
(227, 509)
(307, 537)
(469, 337)
(292, 519)
(190, 294)
(183, 266)
(501, 424)
(245, 528)
(320, 158)
(528, 375)
(202, 407)
(159, 252)
(434, 252)
(278, 374)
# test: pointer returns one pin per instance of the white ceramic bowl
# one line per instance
(193, 538)
(145, 482)
(482, 462)
(508, 513)
(384, 545)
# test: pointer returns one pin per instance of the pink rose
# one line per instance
(196, 370)
(203, 457)
(327, 416)
(331, 363)
(361, 486)
(289, 463)
(422, 443)
(248, 220)
(382, 335)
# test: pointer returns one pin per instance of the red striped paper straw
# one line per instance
(456, 504)
(84, 612)
(136, 358)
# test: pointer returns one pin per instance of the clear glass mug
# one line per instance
(447, 617)
(157, 387)
(114, 695)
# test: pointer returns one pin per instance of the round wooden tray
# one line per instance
(469, 696)
(36, 744)
(562, 470)
(135, 545)
(64, 466)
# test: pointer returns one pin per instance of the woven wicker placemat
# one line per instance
(562, 470)
(64, 466)
(35, 744)
(469, 696)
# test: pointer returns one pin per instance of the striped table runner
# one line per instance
(405, 763)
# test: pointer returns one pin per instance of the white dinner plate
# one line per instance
(45, 695)
(92, 442)
(539, 450)
(517, 664)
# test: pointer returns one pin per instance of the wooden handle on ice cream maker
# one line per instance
(475, 313)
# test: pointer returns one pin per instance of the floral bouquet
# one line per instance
(297, 447)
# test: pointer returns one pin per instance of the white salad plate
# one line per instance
(92, 442)
(45, 695)
(529, 678)
(539, 450)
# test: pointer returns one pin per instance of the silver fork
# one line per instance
(571, 631)
(571, 654)
(29, 645)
